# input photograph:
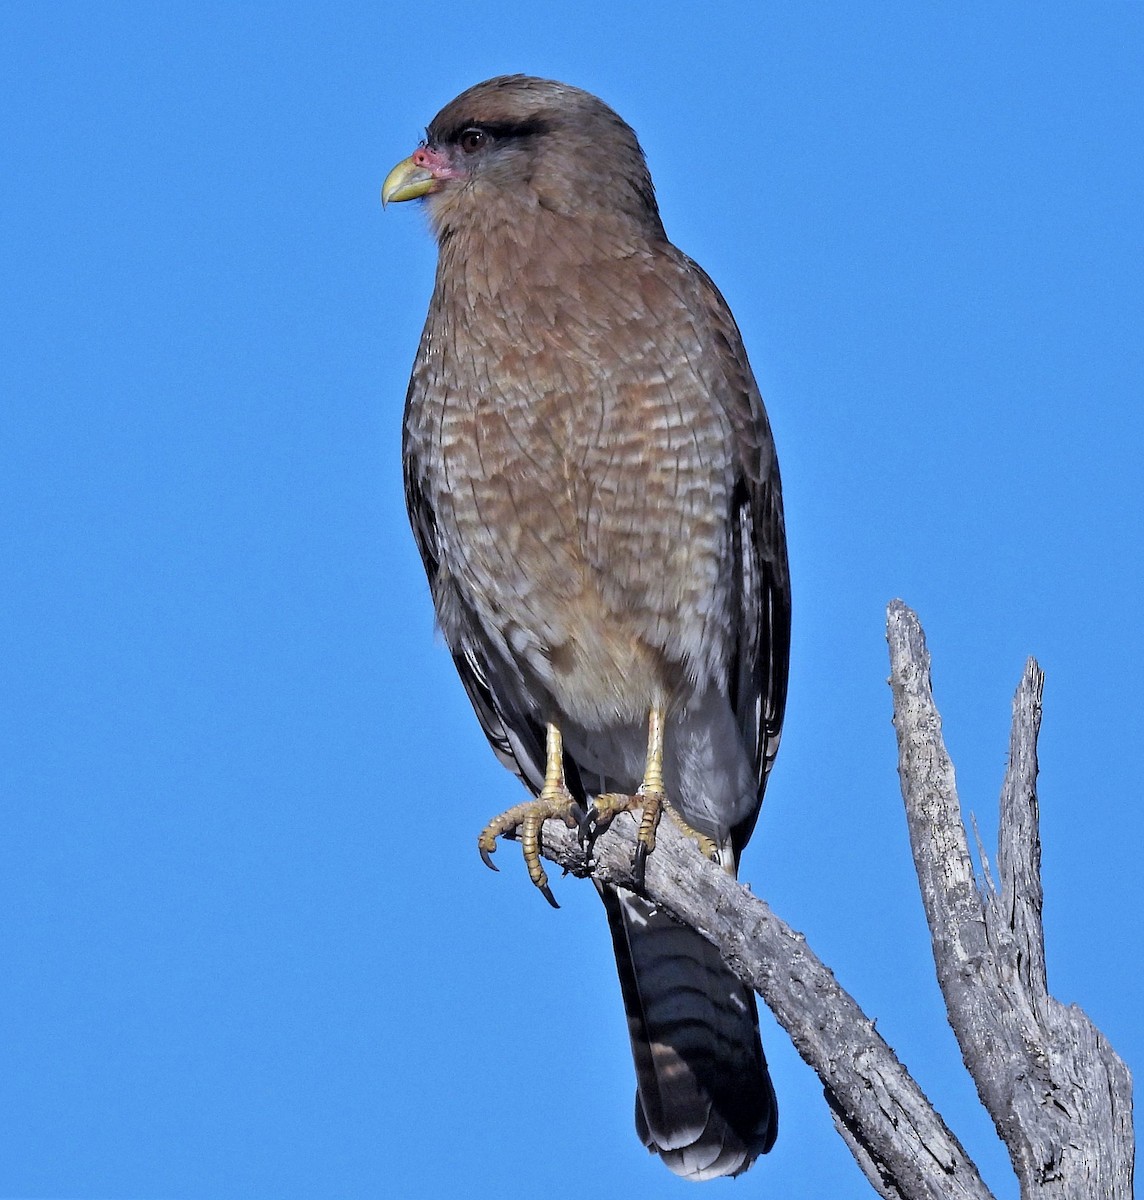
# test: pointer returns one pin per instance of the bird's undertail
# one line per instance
(704, 1100)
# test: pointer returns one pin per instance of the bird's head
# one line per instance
(517, 143)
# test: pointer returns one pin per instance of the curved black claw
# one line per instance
(586, 827)
(487, 859)
(546, 892)
(639, 866)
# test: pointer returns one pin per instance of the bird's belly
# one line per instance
(602, 670)
(580, 645)
(595, 561)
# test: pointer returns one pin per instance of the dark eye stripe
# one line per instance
(496, 130)
(514, 129)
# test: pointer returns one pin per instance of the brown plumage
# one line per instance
(593, 487)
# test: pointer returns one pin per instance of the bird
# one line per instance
(592, 483)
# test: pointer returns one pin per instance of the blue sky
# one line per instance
(249, 949)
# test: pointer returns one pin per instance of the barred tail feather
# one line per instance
(704, 1100)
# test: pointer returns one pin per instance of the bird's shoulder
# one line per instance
(725, 356)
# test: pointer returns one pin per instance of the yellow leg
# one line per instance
(554, 801)
(651, 791)
(553, 765)
(651, 799)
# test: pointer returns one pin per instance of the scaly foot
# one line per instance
(554, 800)
(651, 800)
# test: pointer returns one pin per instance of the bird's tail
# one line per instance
(704, 1100)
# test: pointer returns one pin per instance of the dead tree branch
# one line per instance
(1060, 1097)
(873, 1097)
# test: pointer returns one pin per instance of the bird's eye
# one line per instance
(473, 139)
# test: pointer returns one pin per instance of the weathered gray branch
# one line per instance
(907, 1143)
(1060, 1097)
(906, 1148)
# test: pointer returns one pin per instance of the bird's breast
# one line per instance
(580, 475)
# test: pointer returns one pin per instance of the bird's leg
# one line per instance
(651, 799)
(554, 800)
(651, 791)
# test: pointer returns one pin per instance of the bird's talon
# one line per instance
(639, 866)
(586, 828)
(524, 821)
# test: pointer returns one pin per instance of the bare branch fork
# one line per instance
(1060, 1097)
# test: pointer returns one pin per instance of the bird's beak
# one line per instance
(407, 181)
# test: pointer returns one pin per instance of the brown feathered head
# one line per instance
(521, 141)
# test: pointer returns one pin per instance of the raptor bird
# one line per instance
(593, 487)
